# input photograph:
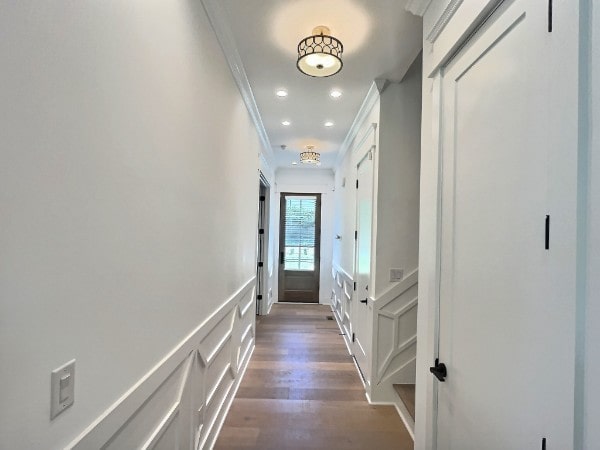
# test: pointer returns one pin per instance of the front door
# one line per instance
(362, 305)
(299, 247)
(506, 330)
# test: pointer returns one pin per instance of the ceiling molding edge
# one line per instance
(417, 7)
(216, 17)
(367, 105)
(443, 20)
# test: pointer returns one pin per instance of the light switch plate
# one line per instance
(396, 274)
(62, 388)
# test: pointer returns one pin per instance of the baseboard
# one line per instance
(402, 412)
(182, 402)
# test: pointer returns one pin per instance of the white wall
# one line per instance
(128, 191)
(309, 181)
(397, 207)
(591, 393)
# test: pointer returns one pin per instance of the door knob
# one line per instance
(364, 301)
(439, 370)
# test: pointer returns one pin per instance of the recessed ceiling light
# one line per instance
(294, 163)
(328, 124)
(335, 93)
(281, 93)
(286, 123)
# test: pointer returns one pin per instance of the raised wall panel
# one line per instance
(395, 329)
(341, 303)
(181, 403)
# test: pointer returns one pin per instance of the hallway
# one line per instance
(302, 391)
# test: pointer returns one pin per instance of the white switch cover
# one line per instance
(62, 388)
(396, 274)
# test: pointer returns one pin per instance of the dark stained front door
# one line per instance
(299, 247)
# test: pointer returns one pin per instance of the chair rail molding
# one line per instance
(182, 402)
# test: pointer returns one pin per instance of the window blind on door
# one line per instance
(300, 232)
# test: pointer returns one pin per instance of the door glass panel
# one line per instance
(300, 241)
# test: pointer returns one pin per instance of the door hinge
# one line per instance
(549, 16)
(353, 337)
(547, 234)
(355, 285)
(259, 297)
(355, 235)
(262, 198)
(356, 184)
(261, 231)
(260, 264)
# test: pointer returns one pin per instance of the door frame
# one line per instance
(263, 273)
(440, 46)
(365, 371)
(318, 225)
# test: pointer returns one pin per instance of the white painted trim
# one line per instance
(219, 424)
(455, 26)
(343, 272)
(220, 25)
(162, 427)
(403, 414)
(366, 107)
(359, 142)
(443, 20)
(398, 289)
(111, 422)
(417, 7)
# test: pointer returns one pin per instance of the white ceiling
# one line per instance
(380, 41)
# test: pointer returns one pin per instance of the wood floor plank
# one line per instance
(302, 391)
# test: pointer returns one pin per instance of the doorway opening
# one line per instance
(299, 247)
(262, 297)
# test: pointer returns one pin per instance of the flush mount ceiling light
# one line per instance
(281, 93)
(320, 55)
(335, 93)
(328, 124)
(286, 123)
(310, 156)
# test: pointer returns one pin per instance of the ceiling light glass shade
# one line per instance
(320, 55)
(310, 156)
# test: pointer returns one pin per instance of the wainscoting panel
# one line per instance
(182, 402)
(394, 338)
(341, 302)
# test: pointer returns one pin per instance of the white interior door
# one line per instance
(506, 330)
(362, 306)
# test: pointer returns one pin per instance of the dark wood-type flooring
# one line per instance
(302, 391)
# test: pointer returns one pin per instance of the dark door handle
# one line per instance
(439, 370)
(281, 258)
(364, 301)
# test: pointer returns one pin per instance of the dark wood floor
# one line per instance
(302, 391)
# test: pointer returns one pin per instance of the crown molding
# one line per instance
(216, 16)
(367, 105)
(443, 20)
(417, 7)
